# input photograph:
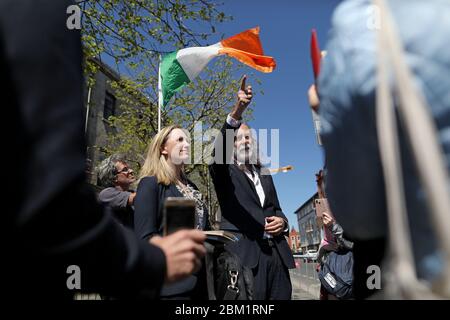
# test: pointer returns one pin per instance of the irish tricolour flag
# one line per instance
(181, 67)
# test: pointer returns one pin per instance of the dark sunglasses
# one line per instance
(124, 170)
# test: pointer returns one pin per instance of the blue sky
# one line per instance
(285, 34)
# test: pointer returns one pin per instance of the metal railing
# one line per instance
(306, 269)
(305, 277)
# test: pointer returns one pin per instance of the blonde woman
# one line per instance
(162, 176)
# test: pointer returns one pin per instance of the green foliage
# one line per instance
(135, 32)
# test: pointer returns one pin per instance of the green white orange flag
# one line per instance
(181, 67)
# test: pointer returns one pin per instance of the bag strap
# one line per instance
(232, 289)
(427, 153)
(209, 268)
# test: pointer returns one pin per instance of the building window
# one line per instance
(109, 109)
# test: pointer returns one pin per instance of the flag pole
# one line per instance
(160, 95)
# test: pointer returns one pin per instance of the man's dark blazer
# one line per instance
(240, 205)
(148, 221)
(50, 217)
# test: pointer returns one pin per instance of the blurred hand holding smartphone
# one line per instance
(322, 206)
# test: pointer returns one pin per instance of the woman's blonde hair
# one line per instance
(156, 163)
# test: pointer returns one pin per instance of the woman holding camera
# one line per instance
(163, 176)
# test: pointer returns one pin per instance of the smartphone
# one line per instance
(179, 213)
(321, 207)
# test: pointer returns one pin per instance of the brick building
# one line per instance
(294, 240)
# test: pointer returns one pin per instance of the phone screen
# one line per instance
(179, 213)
